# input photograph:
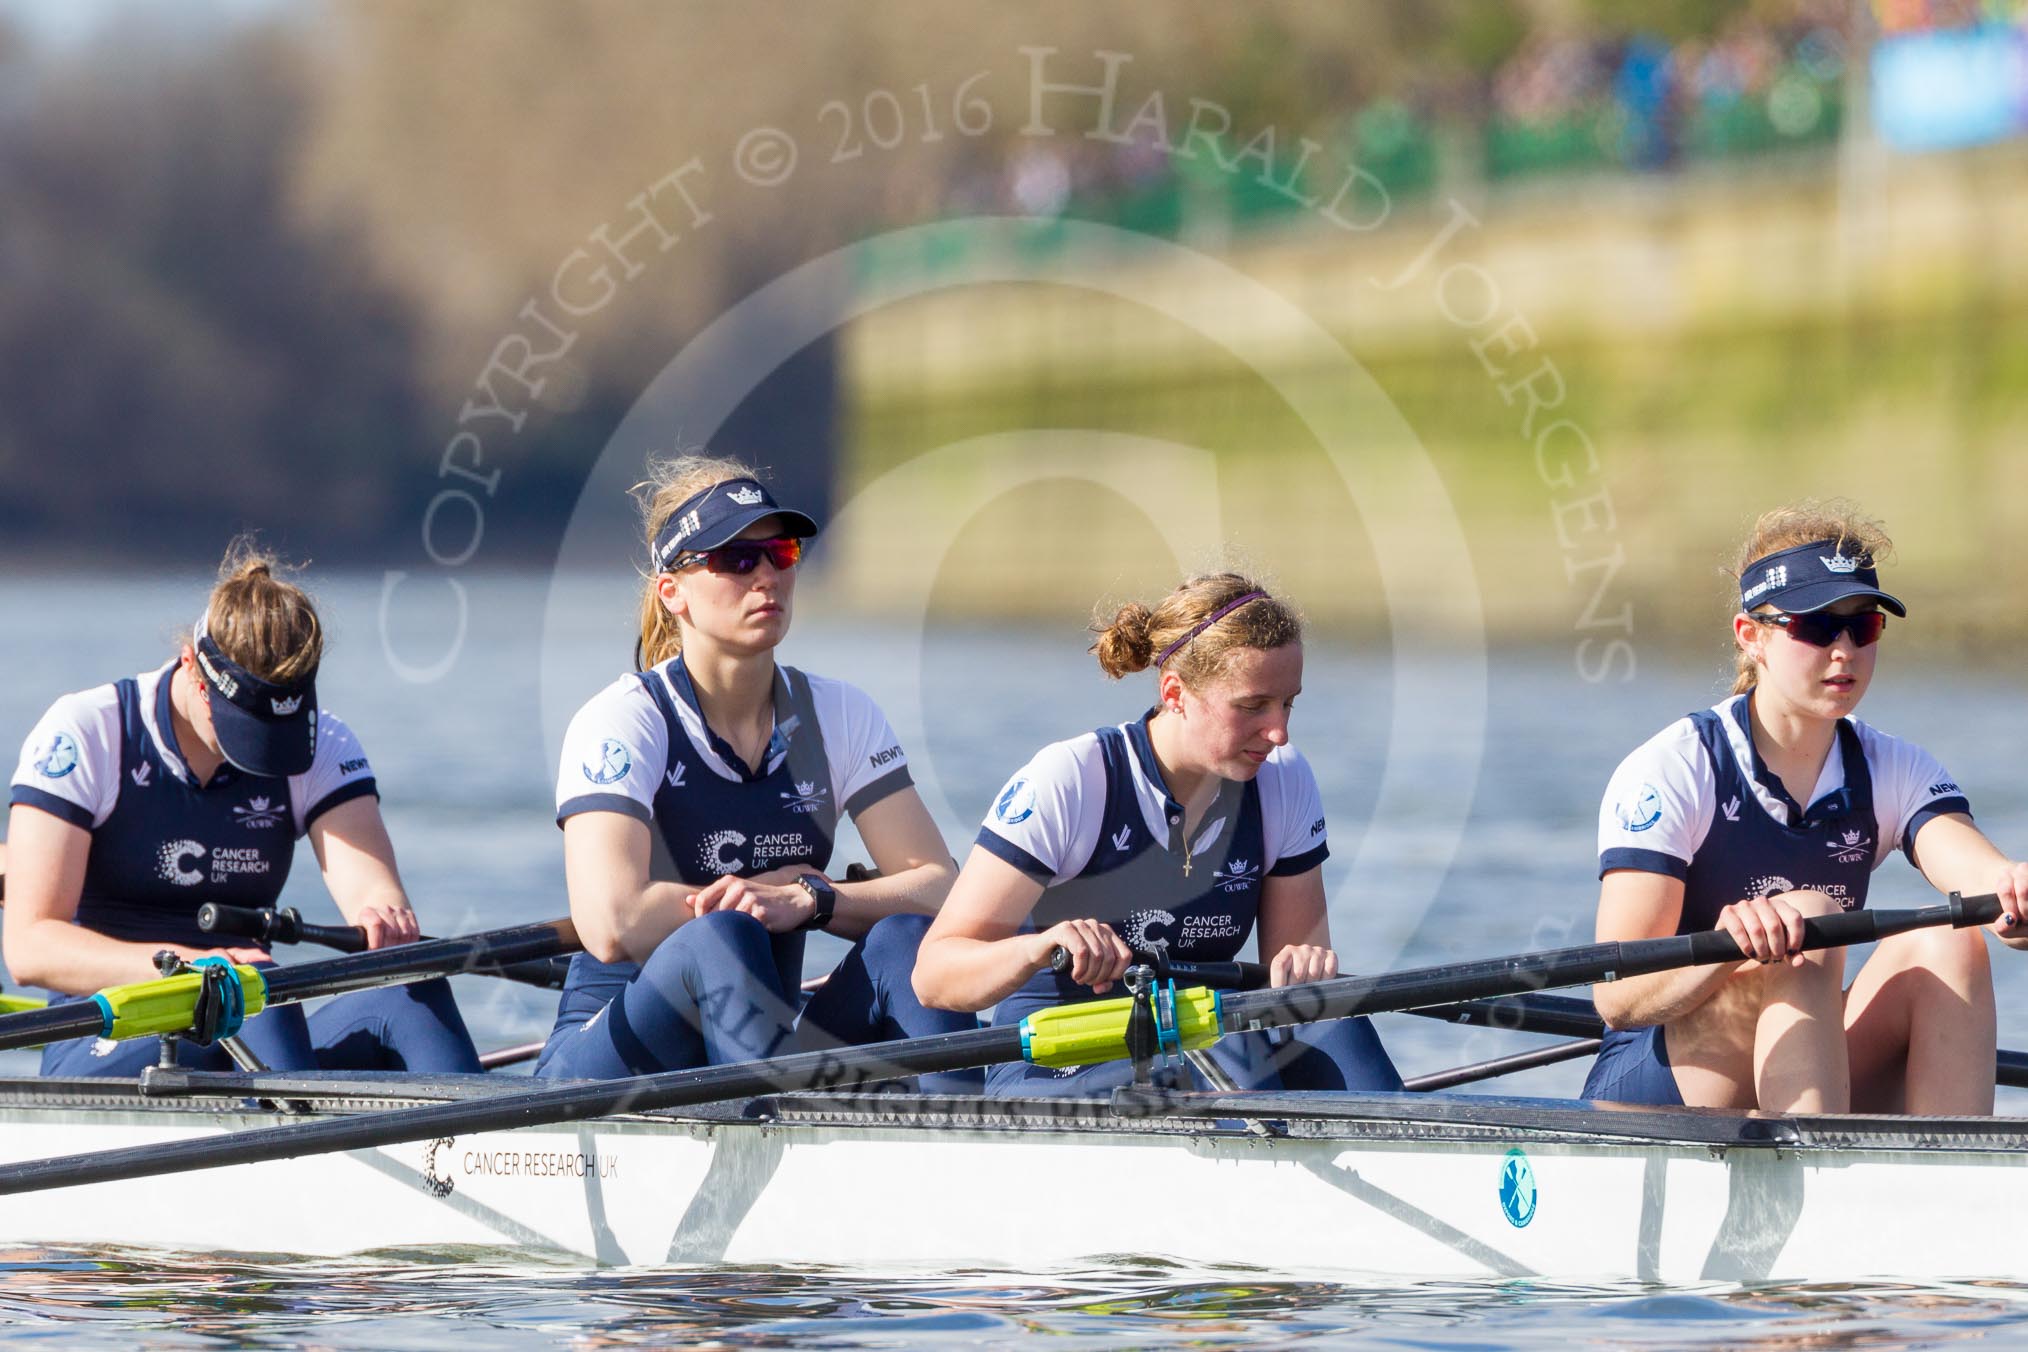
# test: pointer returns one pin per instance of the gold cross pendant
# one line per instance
(1186, 865)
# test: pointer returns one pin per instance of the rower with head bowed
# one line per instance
(1181, 830)
(136, 802)
(1777, 804)
(738, 768)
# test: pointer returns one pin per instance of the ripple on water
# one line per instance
(458, 1298)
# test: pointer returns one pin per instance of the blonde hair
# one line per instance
(1803, 523)
(670, 484)
(1135, 635)
(260, 620)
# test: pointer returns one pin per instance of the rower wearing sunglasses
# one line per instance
(136, 802)
(1183, 830)
(738, 768)
(1777, 804)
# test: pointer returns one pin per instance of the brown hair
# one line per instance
(670, 484)
(1802, 523)
(1132, 639)
(259, 619)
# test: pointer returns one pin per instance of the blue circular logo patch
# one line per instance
(612, 765)
(1017, 804)
(1643, 812)
(60, 759)
(1517, 1188)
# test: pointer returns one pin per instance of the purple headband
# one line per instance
(1216, 616)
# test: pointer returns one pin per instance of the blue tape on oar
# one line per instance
(105, 1013)
(221, 1001)
(1167, 1035)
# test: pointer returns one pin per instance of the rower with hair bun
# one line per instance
(135, 803)
(1777, 804)
(740, 769)
(1181, 830)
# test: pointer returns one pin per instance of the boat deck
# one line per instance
(1303, 1116)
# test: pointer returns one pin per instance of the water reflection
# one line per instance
(455, 1298)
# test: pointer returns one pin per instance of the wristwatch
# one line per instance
(824, 895)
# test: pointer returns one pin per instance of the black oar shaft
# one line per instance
(418, 961)
(1580, 966)
(1503, 1065)
(542, 1107)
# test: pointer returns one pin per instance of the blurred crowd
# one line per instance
(1581, 98)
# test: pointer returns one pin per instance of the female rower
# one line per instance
(1178, 830)
(1776, 805)
(738, 768)
(137, 802)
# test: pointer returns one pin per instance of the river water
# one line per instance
(1474, 837)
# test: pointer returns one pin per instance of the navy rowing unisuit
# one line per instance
(1696, 802)
(1093, 821)
(106, 761)
(721, 988)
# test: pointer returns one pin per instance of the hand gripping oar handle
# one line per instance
(1221, 976)
(851, 1066)
(287, 926)
(1344, 997)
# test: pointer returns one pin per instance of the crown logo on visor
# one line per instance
(284, 707)
(746, 497)
(1838, 563)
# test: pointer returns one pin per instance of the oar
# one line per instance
(1079, 1034)
(1565, 1016)
(168, 1004)
(269, 927)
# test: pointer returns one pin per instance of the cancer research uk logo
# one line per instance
(60, 759)
(1016, 804)
(614, 760)
(174, 859)
(1643, 812)
(1775, 579)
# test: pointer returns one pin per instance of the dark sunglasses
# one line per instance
(743, 556)
(1821, 629)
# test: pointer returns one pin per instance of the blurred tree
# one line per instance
(180, 354)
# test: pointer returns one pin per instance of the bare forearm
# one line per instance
(965, 974)
(917, 891)
(59, 956)
(627, 927)
(1660, 997)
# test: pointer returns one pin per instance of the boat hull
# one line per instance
(1339, 1185)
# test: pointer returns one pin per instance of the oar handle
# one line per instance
(287, 926)
(1223, 976)
(1822, 931)
(268, 927)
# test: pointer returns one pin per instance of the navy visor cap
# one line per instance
(262, 728)
(717, 515)
(1809, 577)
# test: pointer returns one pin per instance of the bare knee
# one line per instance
(1810, 902)
(1957, 956)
